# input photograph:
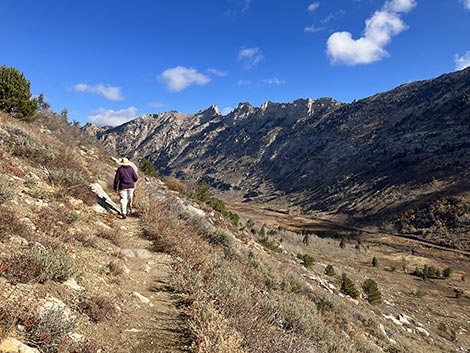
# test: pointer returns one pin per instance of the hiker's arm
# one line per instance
(116, 181)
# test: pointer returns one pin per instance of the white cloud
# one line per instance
(249, 57)
(156, 104)
(104, 117)
(244, 82)
(462, 62)
(180, 77)
(227, 110)
(313, 29)
(380, 28)
(274, 81)
(312, 7)
(216, 72)
(109, 92)
(466, 4)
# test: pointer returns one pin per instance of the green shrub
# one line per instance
(269, 244)
(375, 262)
(447, 272)
(307, 260)
(348, 287)
(329, 270)
(148, 168)
(15, 95)
(374, 297)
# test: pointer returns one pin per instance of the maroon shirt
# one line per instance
(125, 178)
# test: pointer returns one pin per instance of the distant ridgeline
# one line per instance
(376, 160)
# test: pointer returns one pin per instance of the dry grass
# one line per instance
(39, 265)
(246, 301)
(97, 308)
(11, 225)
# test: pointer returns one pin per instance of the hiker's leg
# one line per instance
(130, 196)
(124, 201)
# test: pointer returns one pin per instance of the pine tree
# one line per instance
(375, 262)
(374, 297)
(148, 168)
(447, 272)
(348, 287)
(329, 270)
(15, 95)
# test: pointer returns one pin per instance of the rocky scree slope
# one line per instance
(376, 160)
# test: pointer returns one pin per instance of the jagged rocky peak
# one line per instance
(93, 129)
(213, 110)
(266, 105)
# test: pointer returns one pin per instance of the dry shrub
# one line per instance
(247, 302)
(61, 163)
(24, 144)
(116, 268)
(213, 332)
(40, 265)
(174, 184)
(12, 315)
(6, 192)
(49, 331)
(98, 308)
(54, 219)
(84, 239)
(10, 224)
(110, 235)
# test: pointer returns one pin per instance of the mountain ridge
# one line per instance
(370, 160)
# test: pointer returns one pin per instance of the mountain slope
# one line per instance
(371, 160)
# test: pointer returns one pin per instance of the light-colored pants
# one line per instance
(127, 196)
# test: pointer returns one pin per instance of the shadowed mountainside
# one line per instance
(374, 160)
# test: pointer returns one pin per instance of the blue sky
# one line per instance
(108, 61)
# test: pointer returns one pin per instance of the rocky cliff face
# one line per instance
(369, 159)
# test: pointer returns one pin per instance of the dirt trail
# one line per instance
(149, 318)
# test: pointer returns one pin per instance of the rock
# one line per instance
(52, 306)
(37, 245)
(146, 269)
(98, 209)
(76, 337)
(138, 253)
(72, 283)
(142, 299)
(12, 345)
(133, 330)
(103, 225)
(75, 202)
(26, 288)
(18, 240)
(422, 331)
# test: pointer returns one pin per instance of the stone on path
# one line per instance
(12, 345)
(138, 253)
(72, 283)
(142, 299)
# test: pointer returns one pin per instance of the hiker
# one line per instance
(124, 182)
